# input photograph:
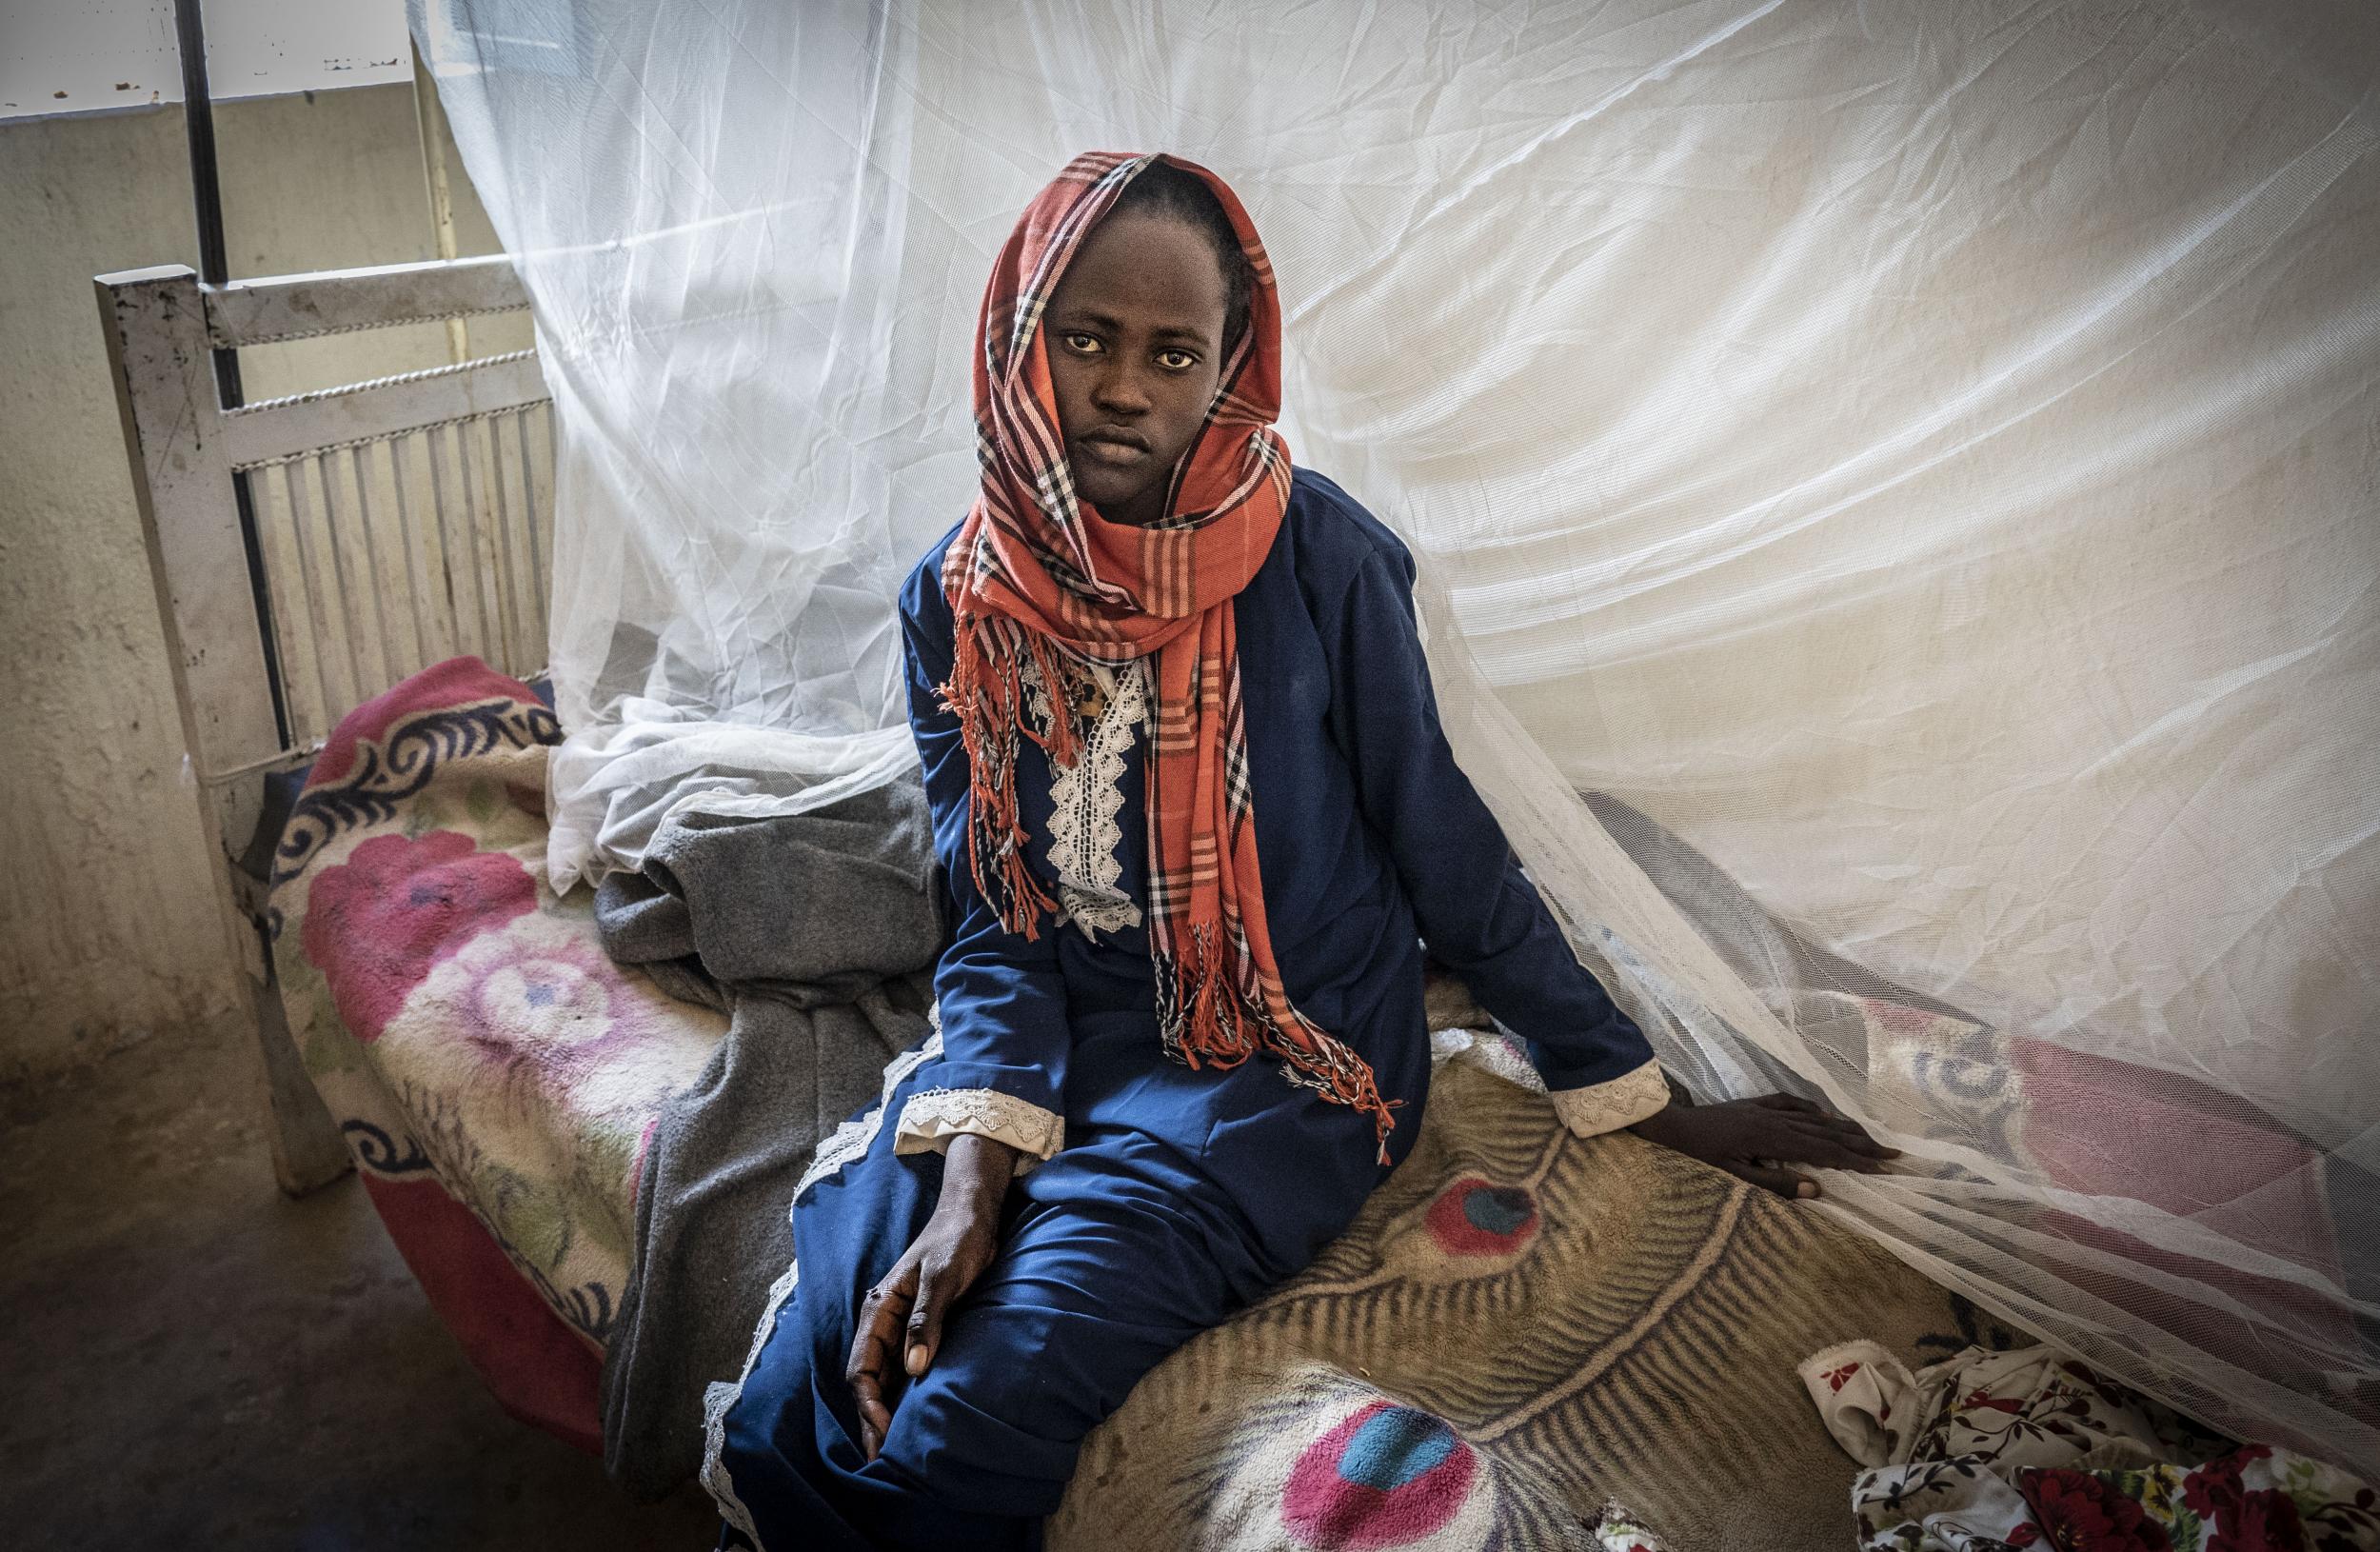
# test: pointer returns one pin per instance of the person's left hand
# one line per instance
(1753, 1138)
(900, 1319)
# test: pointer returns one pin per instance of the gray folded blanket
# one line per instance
(816, 934)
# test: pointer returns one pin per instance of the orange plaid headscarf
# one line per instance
(1036, 578)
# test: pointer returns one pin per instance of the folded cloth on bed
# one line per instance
(812, 933)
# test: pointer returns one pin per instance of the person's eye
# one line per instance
(1175, 361)
(1080, 343)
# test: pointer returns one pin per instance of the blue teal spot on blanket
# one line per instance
(1395, 1447)
(1498, 1209)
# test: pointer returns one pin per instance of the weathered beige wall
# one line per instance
(108, 917)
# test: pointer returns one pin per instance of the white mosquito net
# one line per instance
(1894, 483)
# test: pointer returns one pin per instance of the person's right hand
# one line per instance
(1754, 1140)
(904, 1313)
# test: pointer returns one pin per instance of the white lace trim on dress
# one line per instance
(1608, 1107)
(934, 1115)
(851, 1140)
(1087, 797)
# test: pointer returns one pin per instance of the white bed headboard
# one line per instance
(396, 522)
(309, 552)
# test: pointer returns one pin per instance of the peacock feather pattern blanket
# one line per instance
(1519, 1331)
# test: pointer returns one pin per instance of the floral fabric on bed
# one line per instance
(2026, 1449)
(461, 1020)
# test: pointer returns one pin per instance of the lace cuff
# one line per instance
(1608, 1107)
(934, 1115)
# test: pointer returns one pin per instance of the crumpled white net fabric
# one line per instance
(1914, 465)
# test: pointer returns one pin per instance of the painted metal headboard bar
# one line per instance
(165, 380)
(303, 307)
(308, 423)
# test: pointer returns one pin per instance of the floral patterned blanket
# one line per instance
(1991, 1450)
(495, 1074)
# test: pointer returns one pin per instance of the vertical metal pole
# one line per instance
(198, 123)
(429, 123)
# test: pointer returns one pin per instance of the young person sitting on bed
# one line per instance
(1198, 821)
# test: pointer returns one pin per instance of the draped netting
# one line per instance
(1896, 488)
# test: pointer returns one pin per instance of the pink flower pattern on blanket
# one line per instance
(377, 922)
(550, 1007)
(496, 1075)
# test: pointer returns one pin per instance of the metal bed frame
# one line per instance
(309, 552)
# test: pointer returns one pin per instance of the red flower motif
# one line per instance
(1835, 1378)
(2080, 1512)
(378, 921)
(2266, 1520)
(2240, 1518)
(2213, 1487)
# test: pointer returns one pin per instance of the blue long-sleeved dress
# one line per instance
(1152, 1201)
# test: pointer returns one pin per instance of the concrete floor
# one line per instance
(188, 1359)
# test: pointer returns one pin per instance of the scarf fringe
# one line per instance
(986, 694)
(1206, 1019)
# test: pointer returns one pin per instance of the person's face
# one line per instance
(1135, 333)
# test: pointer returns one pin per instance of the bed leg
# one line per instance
(307, 1151)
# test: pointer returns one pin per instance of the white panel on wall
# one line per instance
(73, 56)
